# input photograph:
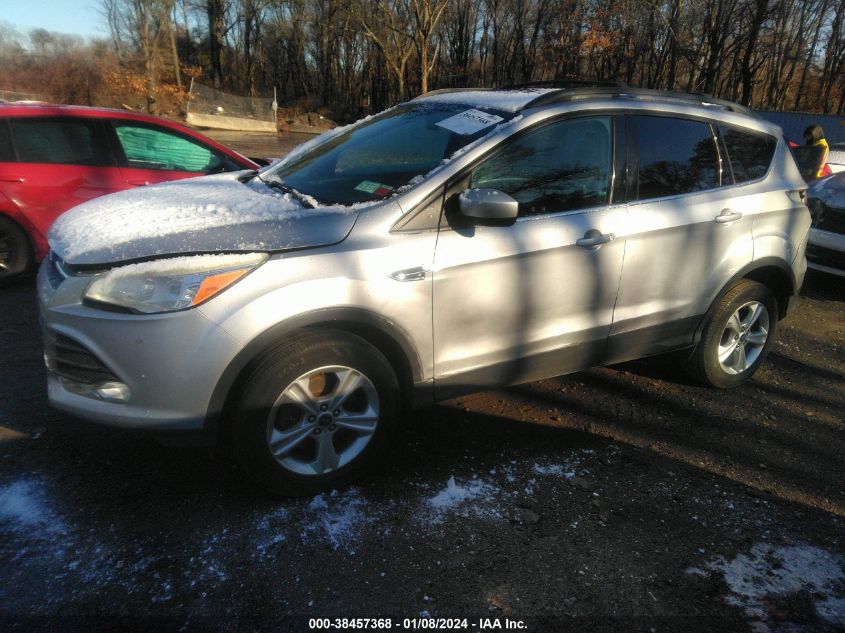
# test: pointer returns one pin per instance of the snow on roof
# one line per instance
(504, 100)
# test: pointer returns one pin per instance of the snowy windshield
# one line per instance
(372, 160)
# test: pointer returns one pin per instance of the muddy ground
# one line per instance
(618, 499)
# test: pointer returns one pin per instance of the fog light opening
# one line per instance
(112, 392)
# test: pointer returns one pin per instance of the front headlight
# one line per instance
(165, 285)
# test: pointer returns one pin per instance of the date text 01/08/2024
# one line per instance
(415, 624)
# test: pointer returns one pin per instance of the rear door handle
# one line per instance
(594, 239)
(727, 215)
(138, 183)
(12, 179)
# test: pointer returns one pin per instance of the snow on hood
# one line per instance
(199, 215)
(830, 190)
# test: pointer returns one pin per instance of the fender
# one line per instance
(391, 340)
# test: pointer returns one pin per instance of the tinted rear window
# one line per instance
(750, 154)
(677, 156)
(58, 141)
(7, 152)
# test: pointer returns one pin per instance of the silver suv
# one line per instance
(461, 241)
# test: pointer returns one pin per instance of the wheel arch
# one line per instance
(380, 332)
(772, 272)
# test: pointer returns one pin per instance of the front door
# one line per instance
(534, 299)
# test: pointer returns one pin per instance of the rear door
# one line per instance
(59, 163)
(687, 235)
(515, 303)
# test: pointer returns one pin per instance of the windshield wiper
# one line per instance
(286, 188)
(279, 186)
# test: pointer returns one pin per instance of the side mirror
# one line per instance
(488, 206)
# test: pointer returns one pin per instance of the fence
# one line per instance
(794, 124)
(212, 108)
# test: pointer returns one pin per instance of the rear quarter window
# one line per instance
(59, 141)
(749, 153)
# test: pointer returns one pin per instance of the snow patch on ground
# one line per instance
(23, 506)
(770, 571)
(472, 498)
(555, 470)
(337, 518)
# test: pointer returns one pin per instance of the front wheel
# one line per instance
(315, 413)
(736, 337)
(15, 254)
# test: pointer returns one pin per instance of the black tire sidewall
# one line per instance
(279, 368)
(21, 257)
(744, 292)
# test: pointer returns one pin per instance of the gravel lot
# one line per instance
(616, 499)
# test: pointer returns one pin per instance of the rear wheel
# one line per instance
(15, 255)
(736, 337)
(315, 413)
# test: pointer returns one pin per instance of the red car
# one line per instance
(54, 157)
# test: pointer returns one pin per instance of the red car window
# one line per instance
(150, 148)
(7, 151)
(60, 141)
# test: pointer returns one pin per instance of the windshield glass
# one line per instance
(372, 160)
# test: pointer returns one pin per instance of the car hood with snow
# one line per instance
(202, 215)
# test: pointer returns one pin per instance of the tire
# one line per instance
(314, 413)
(15, 253)
(737, 336)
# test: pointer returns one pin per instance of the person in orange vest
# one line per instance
(814, 138)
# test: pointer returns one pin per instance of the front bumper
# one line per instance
(169, 363)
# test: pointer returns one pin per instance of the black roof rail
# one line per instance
(590, 92)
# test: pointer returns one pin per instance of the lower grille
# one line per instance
(74, 362)
(826, 256)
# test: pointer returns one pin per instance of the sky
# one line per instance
(77, 17)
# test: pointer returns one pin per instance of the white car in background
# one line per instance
(826, 248)
(836, 158)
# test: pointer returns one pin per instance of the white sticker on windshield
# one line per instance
(469, 122)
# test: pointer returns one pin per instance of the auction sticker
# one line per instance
(469, 122)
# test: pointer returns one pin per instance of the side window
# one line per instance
(559, 167)
(59, 141)
(150, 148)
(676, 156)
(749, 153)
(7, 152)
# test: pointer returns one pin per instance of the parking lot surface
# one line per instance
(617, 499)
(617, 493)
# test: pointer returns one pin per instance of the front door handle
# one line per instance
(727, 215)
(12, 179)
(594, 239)
(138, 183)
